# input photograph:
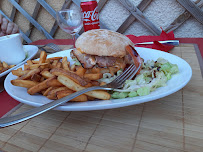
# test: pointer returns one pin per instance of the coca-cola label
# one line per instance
(91, 15)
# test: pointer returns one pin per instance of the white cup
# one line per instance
(11, 49)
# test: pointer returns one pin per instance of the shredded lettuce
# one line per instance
(107, 77)
(154, 74)
(119, 95)
(132, 94)
(143, 91)
(169, 69)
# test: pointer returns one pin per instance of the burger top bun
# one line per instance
(103, 42)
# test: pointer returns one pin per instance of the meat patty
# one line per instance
(104, 61)
(89, 61)
(86, 60)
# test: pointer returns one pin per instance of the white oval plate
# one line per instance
(30, 50)
(177, 82)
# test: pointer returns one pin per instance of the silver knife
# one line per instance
(169, 42)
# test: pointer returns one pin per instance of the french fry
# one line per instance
(48, 61)
(80, 71)
(59, 65)
(19, 72)
(33, 66)
(24, 83)
(26, 67)
(29, 62)
(46, 69)
(73, 68)
(52, 93)
(102, 83)
(71, 75)
(88, 85)
(29, 74)
(5, 65)
(42, 79)
(90, 98)
(46, 74)
(44, 66)
(76, 87)
(55, 79)
(45, 93)
(113, 70)
(35, 77)
(20, 69)
(55, 58)
(35, 61)
(40, 65)
(43, 57)
(54, 83)
(41, 86)
(10, 66)
(63, 93)
(94, 83)
(93, 76)
(65, 63)
(4, 69)
(98, 70)
(95, 70)
(54, 64)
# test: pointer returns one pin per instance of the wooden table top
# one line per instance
(173, 123)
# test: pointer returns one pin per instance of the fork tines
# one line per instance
(127, 74)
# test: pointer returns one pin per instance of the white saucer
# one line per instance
(30, 50)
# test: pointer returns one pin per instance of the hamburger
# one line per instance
(104, 49)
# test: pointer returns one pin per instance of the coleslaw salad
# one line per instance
(153, 74)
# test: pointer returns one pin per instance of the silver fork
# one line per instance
(129, 73)
(54, 47)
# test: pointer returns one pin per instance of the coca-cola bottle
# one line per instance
(89, 9)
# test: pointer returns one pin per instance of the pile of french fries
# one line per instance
(55, 79)
(4, 66)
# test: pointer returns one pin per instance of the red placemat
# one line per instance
(158, 46)
(6, 103)
(198, 41)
